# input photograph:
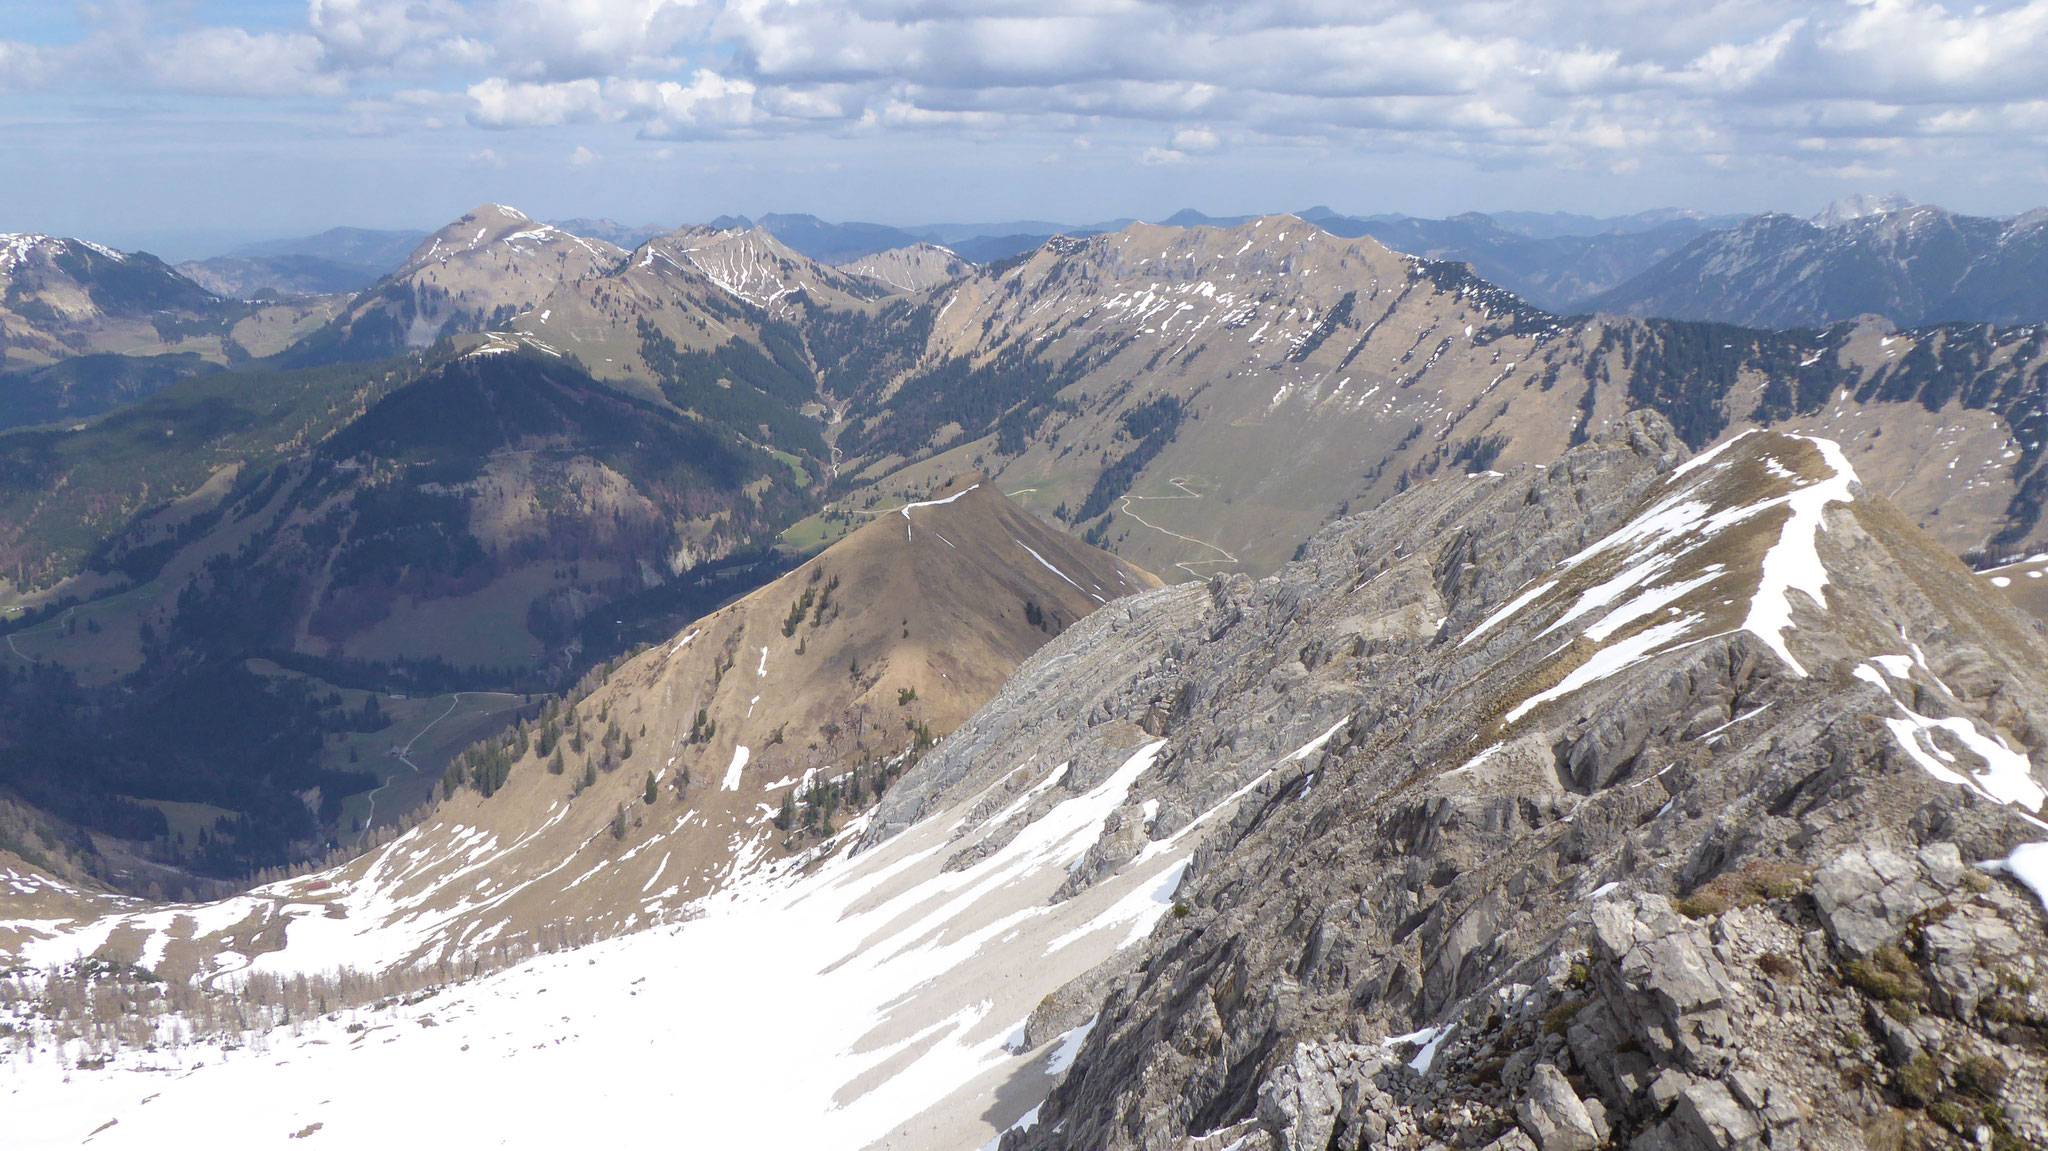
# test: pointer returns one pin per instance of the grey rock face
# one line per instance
(1866, 897)
(1553, 1115)
(1708, 1116)
(1681, 886)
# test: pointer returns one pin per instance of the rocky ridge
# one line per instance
(1685, 881)
(1630, 799)
(693, 291)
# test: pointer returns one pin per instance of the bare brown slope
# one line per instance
(930, 598)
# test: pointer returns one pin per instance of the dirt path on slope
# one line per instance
(1187, 566)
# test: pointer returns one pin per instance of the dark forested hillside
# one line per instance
(424, 527)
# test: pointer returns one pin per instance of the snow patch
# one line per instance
(732, 774)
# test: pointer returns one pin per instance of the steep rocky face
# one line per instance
(1632, 796)
(754, 266)
(1913, 264)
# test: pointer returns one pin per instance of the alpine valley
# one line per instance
(1257, 684)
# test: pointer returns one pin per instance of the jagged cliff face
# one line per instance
(1648, 811)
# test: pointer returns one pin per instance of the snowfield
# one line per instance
(1654, 582)
(870, 997)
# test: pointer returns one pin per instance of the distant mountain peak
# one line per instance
(1860, 205)
(913, 269)
(15, 246)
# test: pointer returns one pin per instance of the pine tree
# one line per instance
(650, 795)
(786, 818)
(555, 765)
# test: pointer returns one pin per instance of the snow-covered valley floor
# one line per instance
(869, 1001)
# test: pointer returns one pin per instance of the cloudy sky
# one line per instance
(185, 124)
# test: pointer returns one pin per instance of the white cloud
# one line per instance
(380, 34)
(232, 62)
(572, 39)
(707, 105)
(1498, 82)
(583, 157)
(498, 103)
(665, 108)
(22, 65)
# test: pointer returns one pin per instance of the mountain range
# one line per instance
(339, 260)
(1910, 263)
(1219, 684)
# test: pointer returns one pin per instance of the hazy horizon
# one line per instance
(194, 125)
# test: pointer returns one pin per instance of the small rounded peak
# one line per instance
(495, 211)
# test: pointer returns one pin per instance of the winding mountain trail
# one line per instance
(405, 752)
(1187, 566)
(27, 658)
